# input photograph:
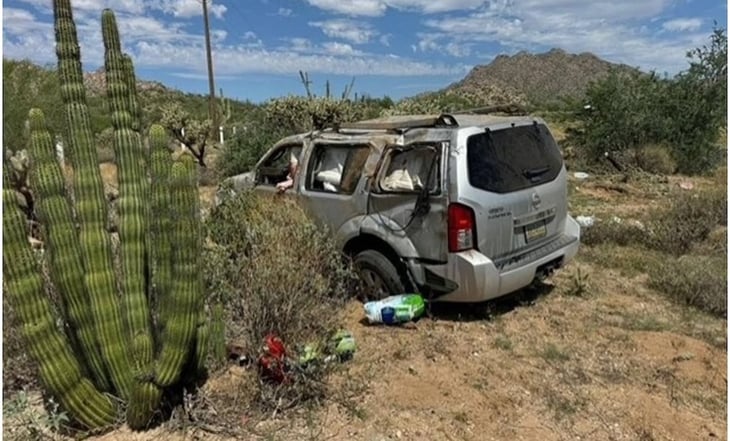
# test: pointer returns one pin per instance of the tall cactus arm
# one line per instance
(160, 221)
(67, 271)
(131, 203)
(184, 300)
(131, 81)
(146, 393)
(58, 368)
(90, 203)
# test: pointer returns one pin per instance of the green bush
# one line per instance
(245, 148)
(276, 272)
(686, 111)
(656, 159)
(699, 281)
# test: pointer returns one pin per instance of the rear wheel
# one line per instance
(379, 275)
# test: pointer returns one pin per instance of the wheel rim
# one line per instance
(375, 284)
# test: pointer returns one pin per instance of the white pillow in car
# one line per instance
(398, 180)
(330, 176)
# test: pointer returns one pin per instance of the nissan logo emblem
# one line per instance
(536, 200)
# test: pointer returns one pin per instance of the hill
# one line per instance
(541, 78)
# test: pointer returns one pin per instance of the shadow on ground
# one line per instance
(490, 309)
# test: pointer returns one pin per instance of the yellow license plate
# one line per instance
(533, 232)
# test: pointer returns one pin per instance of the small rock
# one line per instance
(412, 370)
(686, 185)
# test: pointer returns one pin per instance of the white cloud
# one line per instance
(682, 24)
(285, 12)
(176, 8)
(299, 45)
(336, 48)
(385, 39)
(349, 30)
(370, 8)
(374, 8)
(610, 29)
(186, 8)
(458, 50)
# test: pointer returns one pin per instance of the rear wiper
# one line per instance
(532, 173)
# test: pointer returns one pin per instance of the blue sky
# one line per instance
(392, 47)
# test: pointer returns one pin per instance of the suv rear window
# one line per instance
(512, 159)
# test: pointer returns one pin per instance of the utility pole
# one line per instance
(213, 114)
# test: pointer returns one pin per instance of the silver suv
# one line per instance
(460, 207)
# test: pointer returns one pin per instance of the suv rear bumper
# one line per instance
(480, 278)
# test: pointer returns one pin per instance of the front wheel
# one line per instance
(380, 277)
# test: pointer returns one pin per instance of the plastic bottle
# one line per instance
(395, 309)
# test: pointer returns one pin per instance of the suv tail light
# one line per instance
(461, 228)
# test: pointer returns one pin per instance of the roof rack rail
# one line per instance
(401, 122)
(509, 108)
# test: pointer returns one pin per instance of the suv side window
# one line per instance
(410, 169)
(336, 168)
(277, 166)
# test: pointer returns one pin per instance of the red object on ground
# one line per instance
(272, 363)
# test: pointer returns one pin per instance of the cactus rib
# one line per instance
(90, 203)
(132, 220)
(67, 270)
(184, 298)
(58, 368)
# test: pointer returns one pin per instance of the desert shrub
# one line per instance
(245, 148)
(613, 231)
(276, 272)
(105, 145)
(296, 114)
(655, 158)
(688, 221)
(699, 281)
(686, 111)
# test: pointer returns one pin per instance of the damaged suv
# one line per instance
(459, 207)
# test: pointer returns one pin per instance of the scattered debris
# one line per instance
(272, 362)
(342, 345)
(580, 175)
(686, 185)
(636, 224)
(237, 353)
(585, 221)
(395, 309)
(276, 366)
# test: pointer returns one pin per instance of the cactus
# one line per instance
(112, 337)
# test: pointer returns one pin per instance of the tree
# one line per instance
(686, 112)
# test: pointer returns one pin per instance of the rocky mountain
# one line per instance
(95, 83)
(540, 78)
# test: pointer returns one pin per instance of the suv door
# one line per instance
(332, 181)
(409, 198)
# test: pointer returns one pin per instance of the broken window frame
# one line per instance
(392, 150)
(287, 154)
(347, 167)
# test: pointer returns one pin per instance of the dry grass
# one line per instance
(277, 273)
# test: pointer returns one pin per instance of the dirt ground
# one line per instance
(611, 361)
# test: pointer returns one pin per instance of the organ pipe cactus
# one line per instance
(130, 330)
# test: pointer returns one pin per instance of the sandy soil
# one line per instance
(620, 362)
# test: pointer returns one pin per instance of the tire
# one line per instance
(379, 275)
